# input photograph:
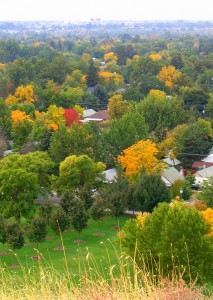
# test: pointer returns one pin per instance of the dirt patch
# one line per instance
(14, 266)
(68, 230)
(28, 245)
(79, 241)
(37, 257)
(59, 249)
(4, 253)
(115, 227)
(98, 234)
(48, 238)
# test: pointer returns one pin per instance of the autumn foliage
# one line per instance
(208, 215)
(155, 56)
(23, 94)
(168, 75)
(139, 155)
(18, 116)
(71, 116)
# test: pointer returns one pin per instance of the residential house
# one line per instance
(203, 175)
(170, 175)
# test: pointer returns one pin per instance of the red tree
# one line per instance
(71, 116)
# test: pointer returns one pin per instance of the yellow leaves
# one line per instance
(22, 95)
(106, 76)
(79, 109)
(110, 56)
(168, 75)
(139, 155)
(141, 217)
(136, 57)
(155, 56)
(157, 93)
(18, 116)
(53, 118)
(208, 215)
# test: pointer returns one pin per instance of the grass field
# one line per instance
(97, 240)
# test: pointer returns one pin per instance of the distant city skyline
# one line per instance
(83, 10)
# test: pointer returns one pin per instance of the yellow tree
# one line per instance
(157, 93)
(23, 94)
(208, 215)
(138, 156)
(168, 75)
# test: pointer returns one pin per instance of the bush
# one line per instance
(173, 236)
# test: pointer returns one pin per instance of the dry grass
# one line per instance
(123, 281)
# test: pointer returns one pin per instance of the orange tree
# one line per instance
(138, 156)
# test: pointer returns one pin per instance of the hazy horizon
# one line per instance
(83, 10)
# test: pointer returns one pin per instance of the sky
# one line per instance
(72, 10)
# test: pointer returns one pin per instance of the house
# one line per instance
(203, 175)
(200, 165)
(101, 115)
(170, 175)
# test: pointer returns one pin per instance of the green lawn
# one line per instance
(103, 250)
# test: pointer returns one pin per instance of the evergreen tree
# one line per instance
(150, 190)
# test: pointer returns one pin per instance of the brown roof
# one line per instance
(201, 165)
(101, 114)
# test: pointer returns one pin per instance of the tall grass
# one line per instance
(94, 280)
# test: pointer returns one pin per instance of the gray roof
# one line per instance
(171, 162)
(88, 112)
(209, 158)
(206, 173)
(110, 175)
(170, 175)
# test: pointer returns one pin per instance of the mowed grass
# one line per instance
(103, 250)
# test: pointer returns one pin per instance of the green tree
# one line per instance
(59, 221)
(194, 141)
(92, 74)
(45, 211)
(161, 113)
(174, 238)
(76, 171)
(3, 234)
(123, 133)
(18, 190)
(206, 194)
(98, 208)
(149, 191)
(78, 214)
(115, 196)
(15, 235)
(37, 231)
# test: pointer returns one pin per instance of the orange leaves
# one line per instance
(22, 95)
(208, 215)
(168, 75)
(139, 155)
(18, 116)
(155, 56)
